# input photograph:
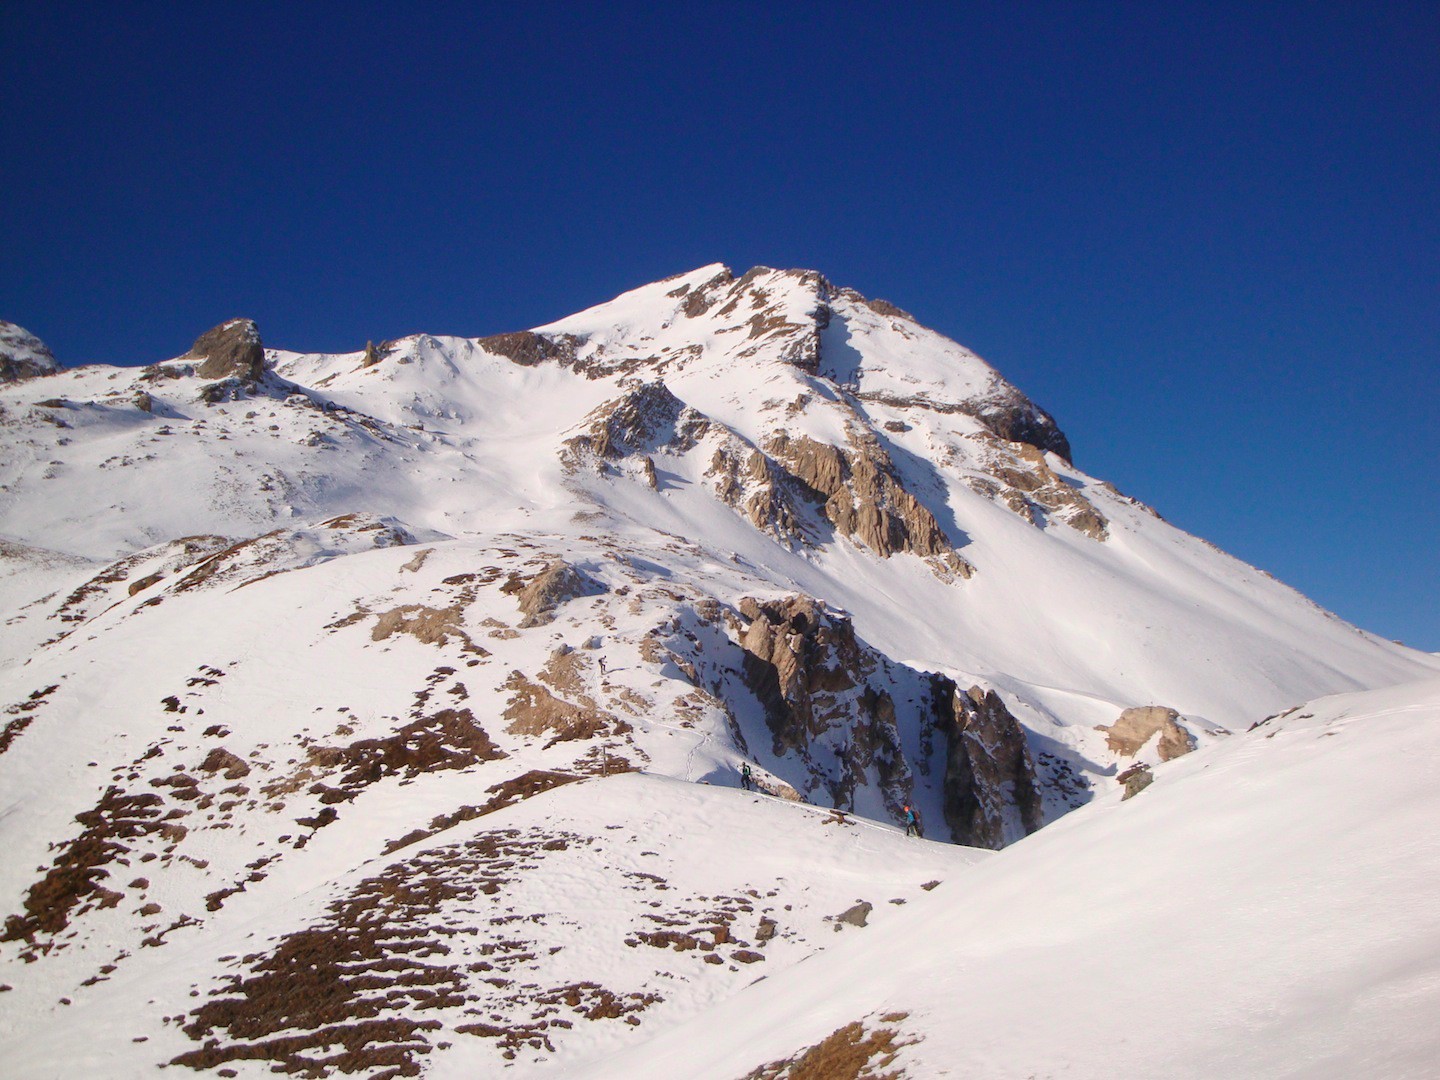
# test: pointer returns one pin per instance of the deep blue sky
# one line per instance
(1206, 237)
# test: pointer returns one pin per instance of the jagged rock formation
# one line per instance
(231, 350)
(23, 355)
(1019, 477)
(864, 498)
(991, 795)
(1136, 727)
(820, 691)
(642, 420)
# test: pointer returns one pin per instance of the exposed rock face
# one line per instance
(23, 355)
(991, 795)
(813, 677)
(527, 348)
(642, 420)
(1014, 417)
(864, 498)
(554, 585)
(1138, 726)
(1027, 485)
(231, 350)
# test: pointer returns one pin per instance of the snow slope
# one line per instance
(1266, 908)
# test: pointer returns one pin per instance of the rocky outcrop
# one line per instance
(646, 418)
(991, 796)
(864, 499)
(1136, 727)
(824, 690)
(527, 348)
(231, 350)
(1014, 417)
(1135, 780)
(553, 586)
(1024, 481)
(753, 485)
(23, 355)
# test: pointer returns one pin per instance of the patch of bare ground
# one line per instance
(699, 924)
(23, 713)
(588, 1000)
(446, 739)
(73, 884)
(534, 710)
(432, 626)
(360, 990)
(502, 795)
(848, 1053)
(450, 738)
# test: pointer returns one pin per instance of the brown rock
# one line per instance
(855, 916)
(221, 760)
(1136, 779)
(864, 498)
(231, 350)
(1138, 726)
(552, 587)
(527, 348)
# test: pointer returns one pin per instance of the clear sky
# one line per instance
(1205, 236)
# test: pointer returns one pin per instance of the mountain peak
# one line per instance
(867, 350)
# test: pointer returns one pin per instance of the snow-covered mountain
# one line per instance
(379, 712)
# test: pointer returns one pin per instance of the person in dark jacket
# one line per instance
(746, 779)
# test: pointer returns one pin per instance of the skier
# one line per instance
(912, 827)
(745, 778)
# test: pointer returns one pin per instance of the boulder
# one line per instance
(231, 350)
(1138, 726)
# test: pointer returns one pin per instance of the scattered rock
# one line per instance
(855, 916)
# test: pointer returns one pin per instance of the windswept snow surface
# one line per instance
(1267, 908)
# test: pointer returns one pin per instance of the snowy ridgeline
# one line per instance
(388, 709)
